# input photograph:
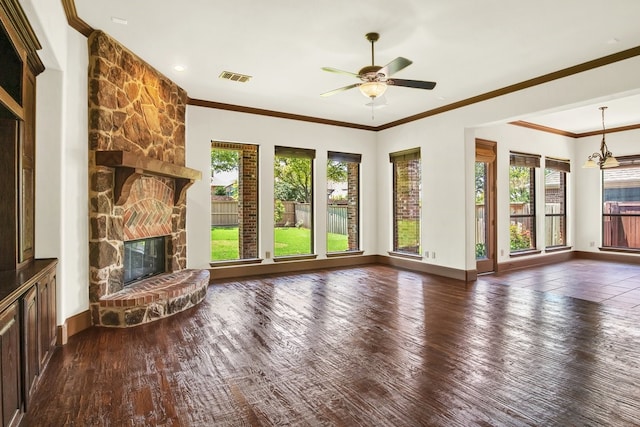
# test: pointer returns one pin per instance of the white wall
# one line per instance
(205, 125)
(61, 221)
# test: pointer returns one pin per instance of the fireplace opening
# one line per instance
(143, 258)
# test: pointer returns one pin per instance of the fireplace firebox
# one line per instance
(143, 258)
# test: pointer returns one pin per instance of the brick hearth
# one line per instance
(152, 299)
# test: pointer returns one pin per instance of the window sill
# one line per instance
(345, 253)
(294, 258)
(557, 249)
(525, 253)
(230, 262)
(405, 255)
(622, 250)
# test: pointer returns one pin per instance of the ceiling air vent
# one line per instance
(235, 77)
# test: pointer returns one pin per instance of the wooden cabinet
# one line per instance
(27, 285)
(10, 366)
(27, 333)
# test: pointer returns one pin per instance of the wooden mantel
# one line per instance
(130, 166)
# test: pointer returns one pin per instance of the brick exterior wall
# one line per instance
(353, 208)
(406, 189)
(132, 107)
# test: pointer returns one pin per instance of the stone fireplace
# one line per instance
(137, 189)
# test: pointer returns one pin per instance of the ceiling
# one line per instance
(467, 47)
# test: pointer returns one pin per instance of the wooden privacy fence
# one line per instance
(621, 224)
(224, 213)
(337, 219)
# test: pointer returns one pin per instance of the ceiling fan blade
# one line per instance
(342, 89)
(335, 70)
(416, 84)
(394, 66)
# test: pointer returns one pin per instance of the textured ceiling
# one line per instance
(467, 47)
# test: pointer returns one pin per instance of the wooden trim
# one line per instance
(612, 130)
(542, 128)
(72, 326)
(289, 267)
(525, 252)
(572, 134)
(288, 258)
(608, 256)
(345, 253)
(422, 267)
(546, 78)
(8, 101)
(17, 25)
(278, 114)
(230, 262)
(518, 264)
(129, 167)
(73, 20)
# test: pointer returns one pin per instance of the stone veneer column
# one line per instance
(132, 107)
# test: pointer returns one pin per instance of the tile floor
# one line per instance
(609, 283)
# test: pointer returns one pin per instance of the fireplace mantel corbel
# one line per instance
(129, 167)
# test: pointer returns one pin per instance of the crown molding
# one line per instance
(572, 134)
(278, 114)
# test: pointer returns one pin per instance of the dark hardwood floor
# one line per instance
(368, 346)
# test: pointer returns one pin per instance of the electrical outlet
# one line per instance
(267, 255)
(426, 254)
(433, 254)
(592, 244)
(501, 252)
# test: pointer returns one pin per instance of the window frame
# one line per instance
(532, 162)
(395, 158)
(248, 208)
(626, 162)
(353, 202)
(302, 153)
(563, 167)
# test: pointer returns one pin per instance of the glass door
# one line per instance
(485, 206)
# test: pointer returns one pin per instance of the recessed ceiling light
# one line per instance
(179, 67)
(441, 98)
(120, 21)
(613, 41)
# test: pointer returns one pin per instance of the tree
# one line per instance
(519, 183)
(336, 171)
(293, 179)
(224, 160)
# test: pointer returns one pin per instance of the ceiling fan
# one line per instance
(375, 79)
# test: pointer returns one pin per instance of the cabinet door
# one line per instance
(30, 337)
(11, 401)
(44, 319)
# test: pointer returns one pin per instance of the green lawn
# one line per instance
(288, 241)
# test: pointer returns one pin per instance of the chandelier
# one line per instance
(603, 159)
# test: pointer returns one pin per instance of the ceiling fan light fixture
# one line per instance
(373, 89)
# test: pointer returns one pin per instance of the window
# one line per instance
(293, 204)
(343, 202)
(522, 198)
(621, 204)
(406, 201)
(555, 200)
(234, 201)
